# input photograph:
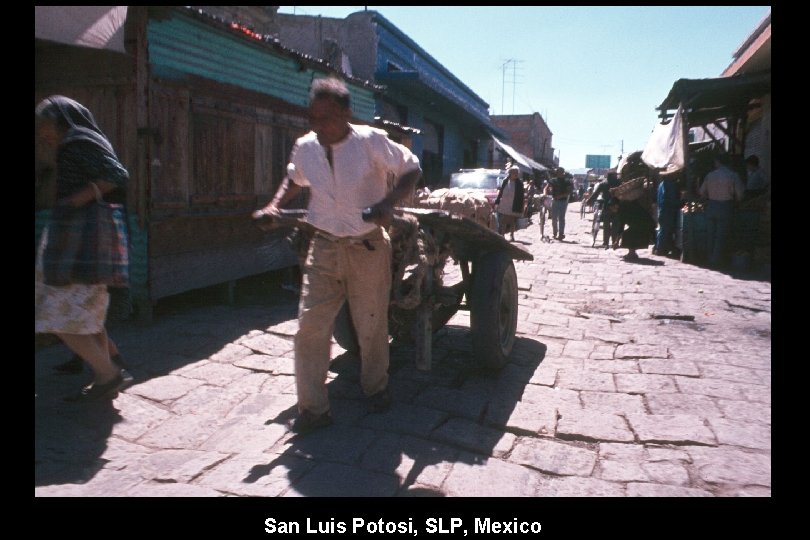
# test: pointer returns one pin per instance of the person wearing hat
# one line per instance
(561, 188)
(509, 202)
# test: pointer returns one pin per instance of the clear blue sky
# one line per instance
(595, 74)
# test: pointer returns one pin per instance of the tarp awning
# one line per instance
(99, 27)
(717, 93)
(520, 159)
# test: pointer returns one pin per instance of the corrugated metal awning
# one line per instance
(99, 27)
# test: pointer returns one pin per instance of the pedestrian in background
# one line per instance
(346, 167)
(756, 183)
(668, 200)
(561, 189)
(87, 171)
(721, 187)
(610, 206)
(509, 202)
(636, 226)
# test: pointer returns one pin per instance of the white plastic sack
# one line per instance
(664, 149)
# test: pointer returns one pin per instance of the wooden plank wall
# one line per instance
(218, 154)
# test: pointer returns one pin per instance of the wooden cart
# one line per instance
(423, 241)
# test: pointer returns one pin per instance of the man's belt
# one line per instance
(363, 239)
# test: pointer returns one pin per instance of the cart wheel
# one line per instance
(493, 309)
(344, 332)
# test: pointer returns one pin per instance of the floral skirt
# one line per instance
(72, 309)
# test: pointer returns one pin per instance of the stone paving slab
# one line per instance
(671, 428)
(742, 434)
(730, 465)
(636, 489)
(471, 436)
(255, 475)
(338, 480)
(413, 460)
(522, 417)
(588, 425)
(476, 476)
(573, 486)
(668, 404)
(554, 457)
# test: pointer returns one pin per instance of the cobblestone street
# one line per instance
(647, 379)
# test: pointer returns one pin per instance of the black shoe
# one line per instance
(73, 366)
(307, 422)
(562, 237)
(379, 402)
(118, 361)
(100, 392)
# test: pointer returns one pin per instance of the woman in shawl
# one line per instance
(509, 202)
(86, 169)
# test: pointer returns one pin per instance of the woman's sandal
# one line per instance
(98, 392)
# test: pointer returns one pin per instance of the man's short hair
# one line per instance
(330, 88)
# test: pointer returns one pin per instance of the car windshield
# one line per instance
(476, 180)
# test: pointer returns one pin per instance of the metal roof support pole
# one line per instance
(709, 133)
(731, 133)
(688, 247)
(691, 190)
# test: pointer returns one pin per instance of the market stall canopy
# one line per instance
(520, 159)
(715, 98)
(99, 27)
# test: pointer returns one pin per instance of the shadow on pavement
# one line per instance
(68, 444)
(643, 261)
(70, 438)
(454, 414)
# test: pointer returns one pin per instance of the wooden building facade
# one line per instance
(203, 112)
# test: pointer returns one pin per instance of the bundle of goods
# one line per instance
(630, 190)
(462, 203)
(633, 167)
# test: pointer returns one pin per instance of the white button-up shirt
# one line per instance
(364, 166)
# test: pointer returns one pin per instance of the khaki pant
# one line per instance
(339, 269)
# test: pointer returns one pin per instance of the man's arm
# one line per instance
(287, 191)
(383, 211)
